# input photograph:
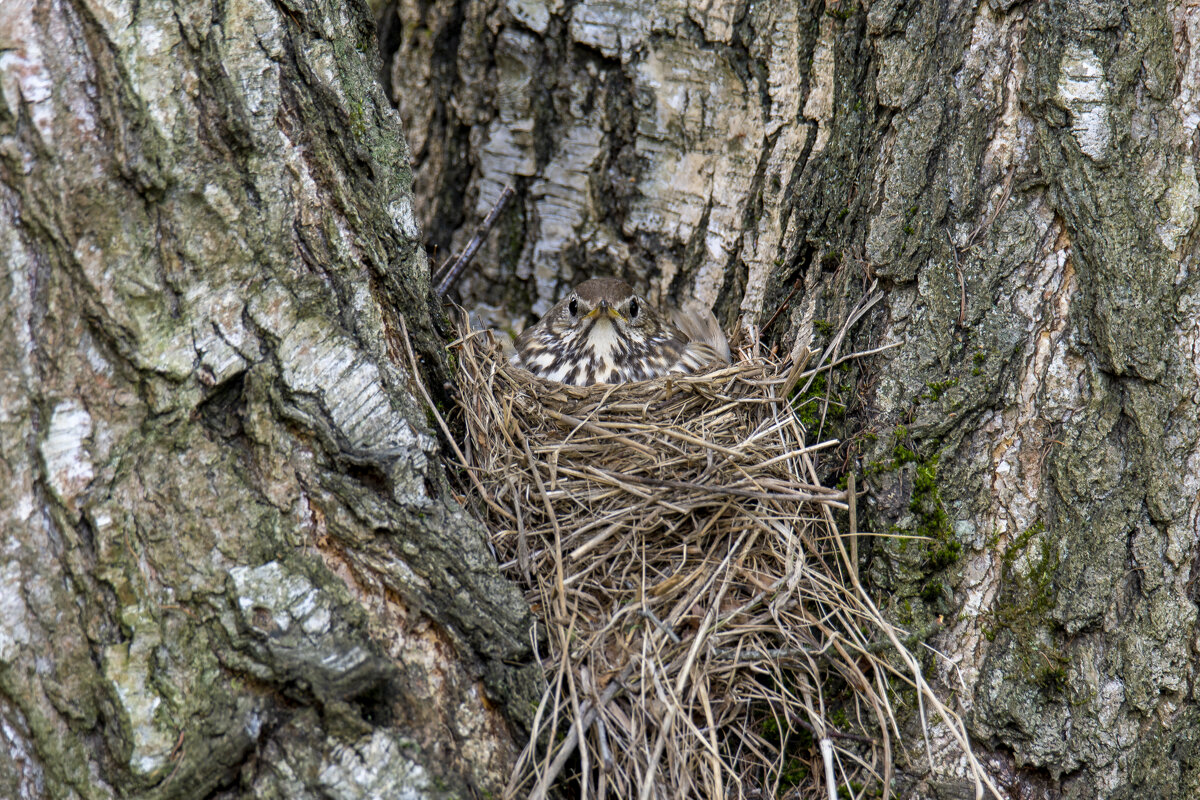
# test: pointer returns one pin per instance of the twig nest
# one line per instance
(700, 618)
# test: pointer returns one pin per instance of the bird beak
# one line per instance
(604, 307)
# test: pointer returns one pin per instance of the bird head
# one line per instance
(601, 309)
(602, 332)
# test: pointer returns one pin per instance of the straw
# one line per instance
(700, 612)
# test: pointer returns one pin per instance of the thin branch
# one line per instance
(444, 282)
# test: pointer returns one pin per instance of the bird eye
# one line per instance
(633, 308)
(573, 307)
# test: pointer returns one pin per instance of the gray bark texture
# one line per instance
(1020, 177)
(232, 564)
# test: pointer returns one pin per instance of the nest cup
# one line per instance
(703, 630)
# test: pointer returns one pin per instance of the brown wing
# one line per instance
(703, 335)
(698, 356)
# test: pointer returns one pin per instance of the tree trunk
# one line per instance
(233, 564)
(1021, 180)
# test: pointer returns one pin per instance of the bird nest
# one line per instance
(704, 631)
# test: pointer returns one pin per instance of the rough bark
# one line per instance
(232, 562)
(1020, 177)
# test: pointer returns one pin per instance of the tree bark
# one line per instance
(1020, 178)
(233, 564)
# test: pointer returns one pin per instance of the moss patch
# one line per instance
(1028, 594)
(819, 403)
(929, 512)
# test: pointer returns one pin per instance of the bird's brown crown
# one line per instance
(614, 290)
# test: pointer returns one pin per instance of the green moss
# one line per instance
(926, 505)
(978, 359)
(1034, 588)
(902, 455)
(852, 790)
(818, 401)
(770, 729)
(358, 117)
(796, 744)
(1051, 678)
(1020, 543)
(793, 775)
(938, 388)
(929, 527)
(807, 405)
(1029, 566)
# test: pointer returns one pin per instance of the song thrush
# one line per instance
(604, 333)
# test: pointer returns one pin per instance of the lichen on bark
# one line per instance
(233, 561)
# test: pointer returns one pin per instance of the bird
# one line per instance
(604, 332)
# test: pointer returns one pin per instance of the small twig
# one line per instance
(829, 354)
(827, 757)
(860, 354)
(605, 754)
(650, 615)
(985, 224)
(916, 637)
(852, 500)
(175, 756)
(178, 745)
(972, 240)
(832, 734)
(577, 731)
(782, 306)
(443, 268)
(962, 283)
(798, 497)
(445, 282)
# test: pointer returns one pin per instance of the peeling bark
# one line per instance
(1021, 179)
(232, 561)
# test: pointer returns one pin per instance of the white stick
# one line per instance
(827, 757)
